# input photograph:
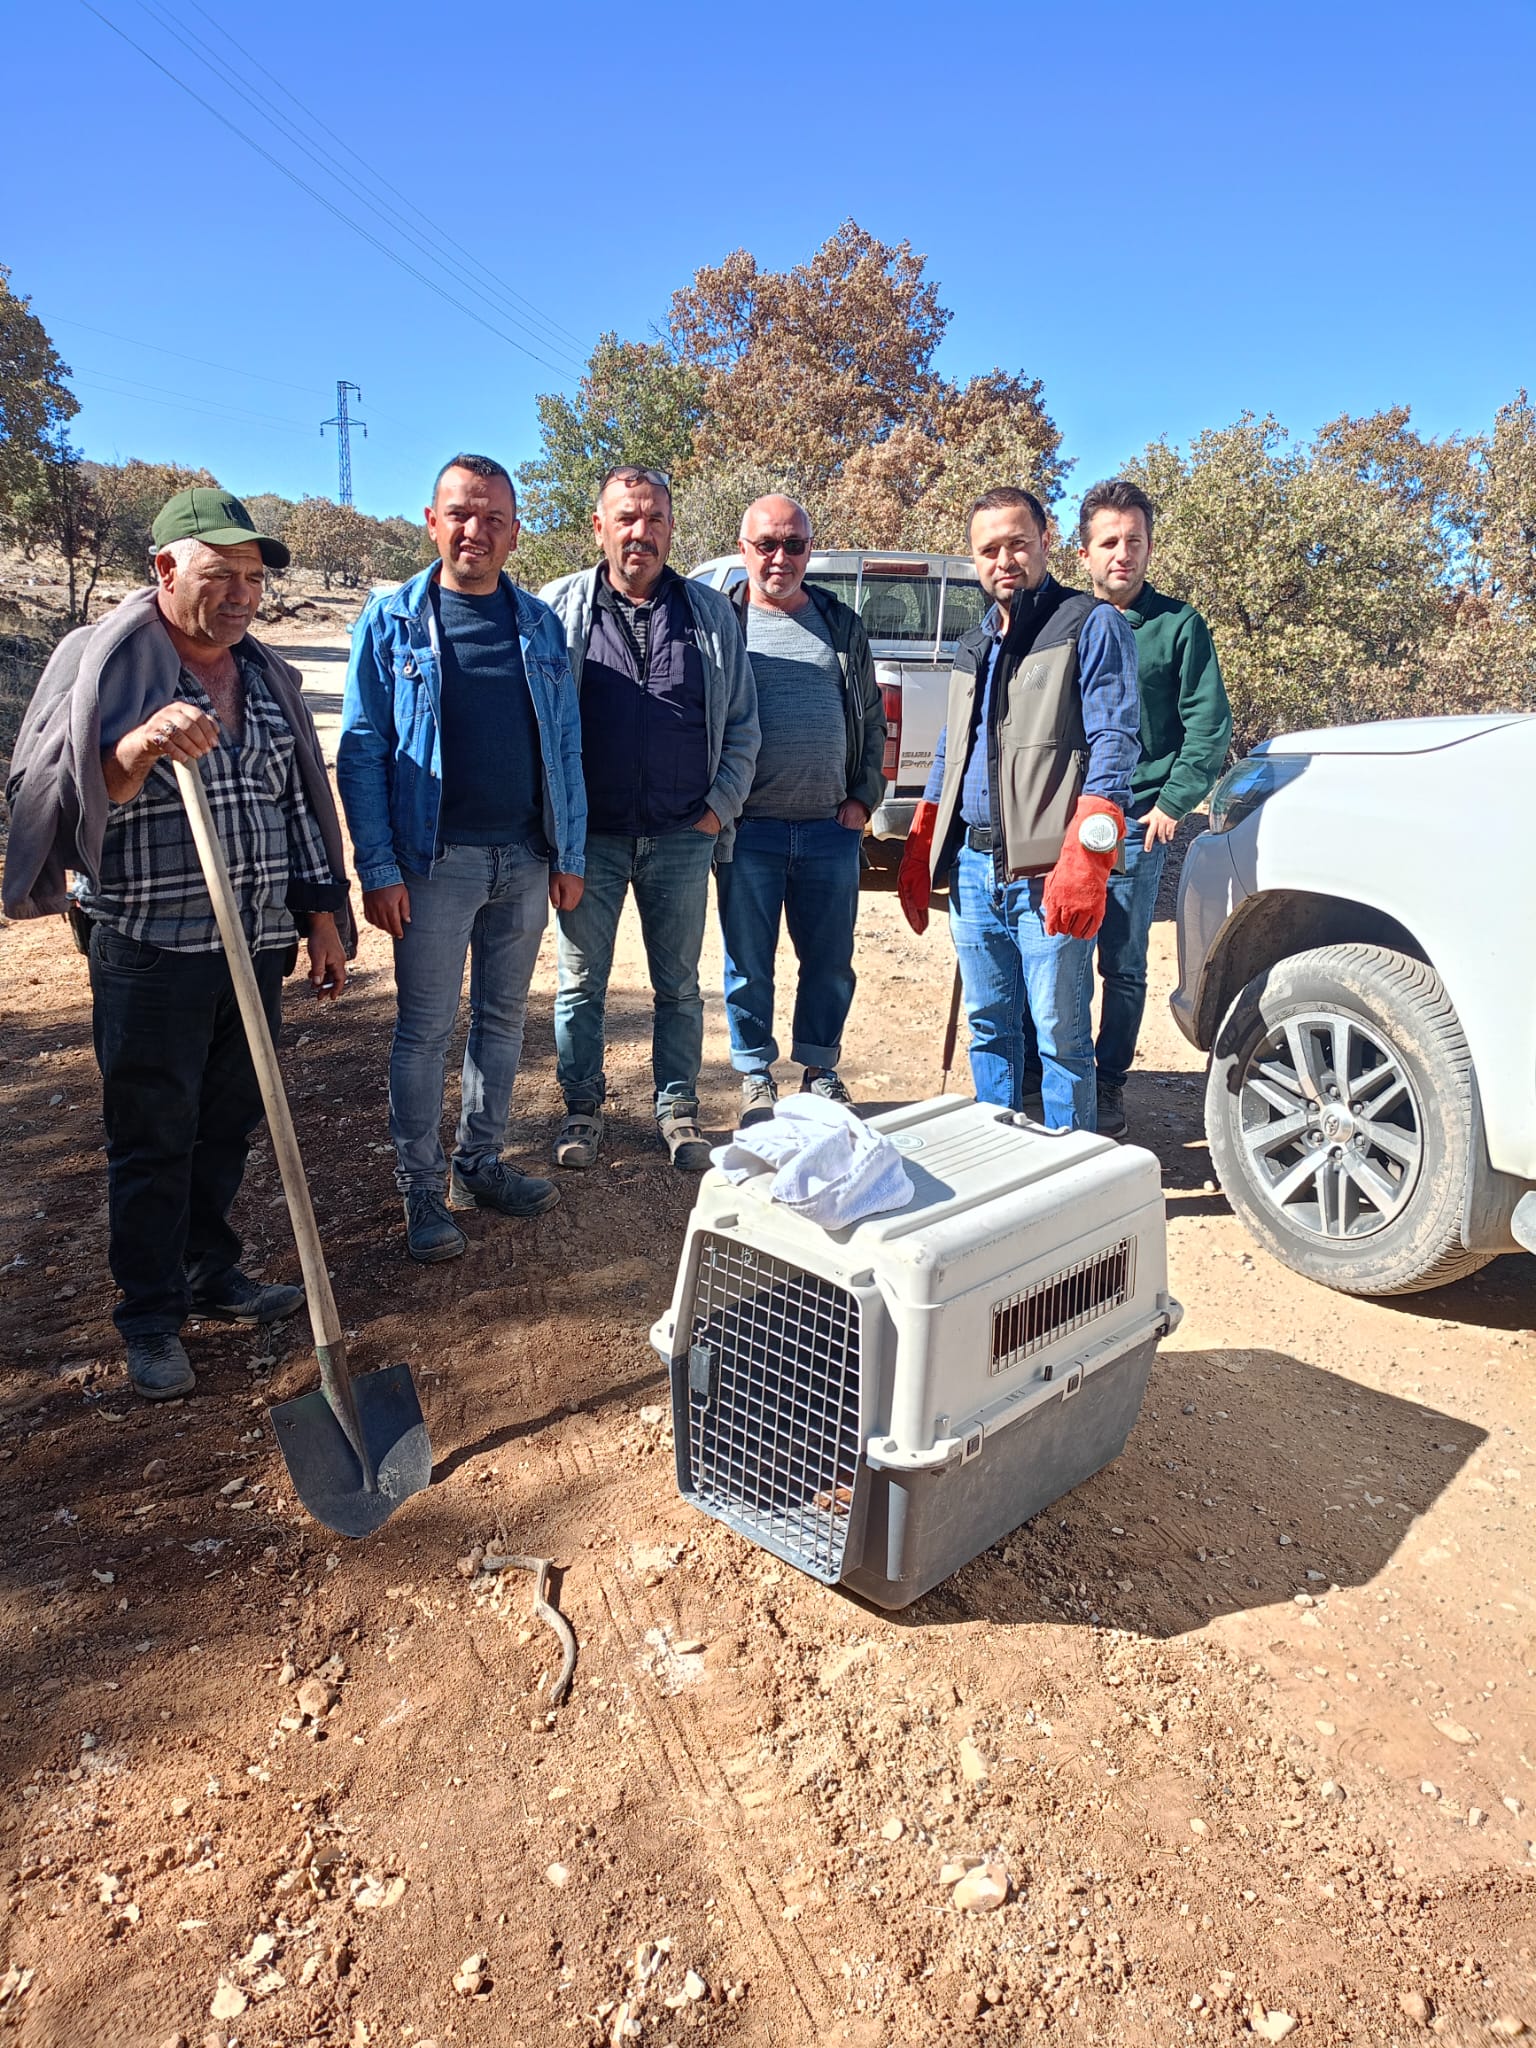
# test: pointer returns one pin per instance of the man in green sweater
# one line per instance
(1186, 728)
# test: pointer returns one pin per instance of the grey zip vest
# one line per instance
(1038, 751)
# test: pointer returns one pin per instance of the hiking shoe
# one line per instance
(685, 1142)
(158, 1368)
(500, 1187)
(430, 1232)
(759, 1092)
(578, 1138)
(249, 1302)
(1112, 1122)
(825, 1084)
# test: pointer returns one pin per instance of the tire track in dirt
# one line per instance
(776, 1950)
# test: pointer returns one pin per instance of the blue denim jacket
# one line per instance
(389, 763)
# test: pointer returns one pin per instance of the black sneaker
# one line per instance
(430, 1232)
(500, 1187)
(759, 1092)
(1112, 1122)
(158, 1367)
(249, 1302)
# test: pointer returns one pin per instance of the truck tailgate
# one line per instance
(924, 697)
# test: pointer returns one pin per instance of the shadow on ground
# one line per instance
(1251, 1479)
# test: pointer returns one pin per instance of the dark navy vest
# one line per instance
(644, 735)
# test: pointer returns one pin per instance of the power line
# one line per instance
(263, 107)
(319, 197)
(164, 391)
(378, 176)
(155, 348)
(185, 405)
(181, 356)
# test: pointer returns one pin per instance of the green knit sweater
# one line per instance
(1186, 721)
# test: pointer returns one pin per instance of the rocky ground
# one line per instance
(1234, 1743)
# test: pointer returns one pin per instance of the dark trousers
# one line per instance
(179, 1100)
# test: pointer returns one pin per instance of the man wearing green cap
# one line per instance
(174, 675)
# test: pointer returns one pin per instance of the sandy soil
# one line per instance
(1246, 1722)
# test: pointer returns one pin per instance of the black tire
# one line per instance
(1361, 1183)
(879, 860)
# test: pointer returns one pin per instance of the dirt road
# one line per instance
(1246, 1724)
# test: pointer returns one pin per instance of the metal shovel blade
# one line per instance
(326, 1472)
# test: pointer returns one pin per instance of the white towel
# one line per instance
(827, 1165)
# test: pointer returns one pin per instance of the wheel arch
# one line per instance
(1266, 928)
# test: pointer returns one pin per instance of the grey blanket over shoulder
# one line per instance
(101, 682)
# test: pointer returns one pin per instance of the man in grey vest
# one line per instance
(1025, 809)
(798, 843)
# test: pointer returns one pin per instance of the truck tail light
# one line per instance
(890, 761)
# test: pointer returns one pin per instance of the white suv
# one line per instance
(1357, 933)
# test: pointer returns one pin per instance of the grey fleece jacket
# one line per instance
(100, 683)
(730, 695)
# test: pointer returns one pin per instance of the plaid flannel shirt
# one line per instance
(151, 886)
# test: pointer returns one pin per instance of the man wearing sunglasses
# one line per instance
(818, 779)
(669, 739)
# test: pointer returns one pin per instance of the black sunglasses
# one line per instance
(793, 544)
(633, 473)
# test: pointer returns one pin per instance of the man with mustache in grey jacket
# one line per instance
(669, 739)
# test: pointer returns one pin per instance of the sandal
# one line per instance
(685, 1142)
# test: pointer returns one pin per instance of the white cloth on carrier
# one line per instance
(827, 1164)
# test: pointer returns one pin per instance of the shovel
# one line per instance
(951, 1033)
(354, 1448)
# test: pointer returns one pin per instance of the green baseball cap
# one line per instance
(219, 519)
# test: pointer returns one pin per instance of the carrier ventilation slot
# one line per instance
(1025, 1323)
(773, 1421)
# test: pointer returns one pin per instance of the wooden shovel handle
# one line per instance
(323, 1319)
(952, 1031)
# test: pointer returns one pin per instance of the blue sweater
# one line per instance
(493, 770)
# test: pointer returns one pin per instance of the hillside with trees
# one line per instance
(1365, 572)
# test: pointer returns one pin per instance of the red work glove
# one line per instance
(914, 883)
(1075, 888)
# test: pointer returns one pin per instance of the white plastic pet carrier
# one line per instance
(878, 1404)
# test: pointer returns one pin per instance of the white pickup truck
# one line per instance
(914, 608)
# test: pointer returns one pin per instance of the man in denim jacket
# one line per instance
(459, 768)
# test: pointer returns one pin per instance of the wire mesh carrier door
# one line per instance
(771, 1439)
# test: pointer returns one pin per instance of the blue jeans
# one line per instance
(180, 1100)
(1123, 954)
(670, 878)
(491, 902)
(1011, 971)
(809, 872)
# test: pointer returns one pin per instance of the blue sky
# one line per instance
(1169, 215)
